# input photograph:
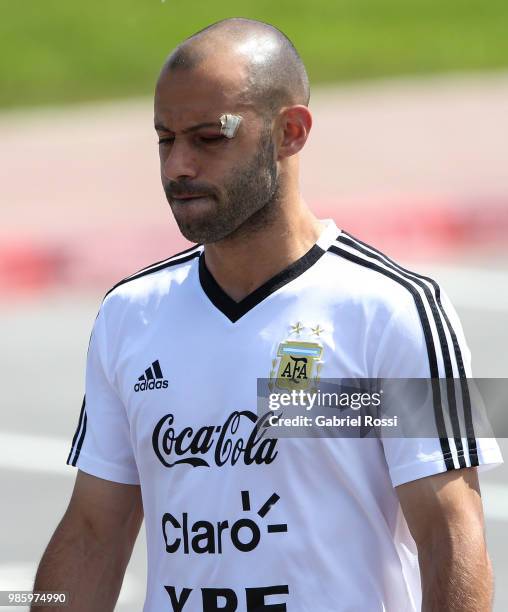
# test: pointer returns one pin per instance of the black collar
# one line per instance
(234, 310)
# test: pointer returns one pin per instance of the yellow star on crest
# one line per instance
(317, 330)
(297, 328)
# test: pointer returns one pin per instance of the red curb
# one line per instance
(26, 267)
(428, 231)
(97, 260)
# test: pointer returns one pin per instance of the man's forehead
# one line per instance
(184, 99)
(196, 110)
(207, 86)
(180, 117)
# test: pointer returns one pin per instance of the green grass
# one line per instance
(59, 51)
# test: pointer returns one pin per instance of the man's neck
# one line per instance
(243, 263)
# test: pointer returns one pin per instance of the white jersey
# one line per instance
(236, 520)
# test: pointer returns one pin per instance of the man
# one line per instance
(237, 519)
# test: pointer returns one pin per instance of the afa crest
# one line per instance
(298, 362)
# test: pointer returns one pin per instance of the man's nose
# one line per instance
(179, 162)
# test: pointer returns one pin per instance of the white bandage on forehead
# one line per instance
(230, 125)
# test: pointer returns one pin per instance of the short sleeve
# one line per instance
(424, 339)
(101, 445)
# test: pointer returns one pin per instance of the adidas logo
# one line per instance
(151, 379)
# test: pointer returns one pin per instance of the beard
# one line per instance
(246, 202)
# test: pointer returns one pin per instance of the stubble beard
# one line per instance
(249, 202)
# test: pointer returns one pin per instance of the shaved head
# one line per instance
(224, 183)
(274, 74)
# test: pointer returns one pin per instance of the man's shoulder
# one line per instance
(362, 274)
(155, 278)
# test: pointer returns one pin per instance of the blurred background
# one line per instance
(408, 152)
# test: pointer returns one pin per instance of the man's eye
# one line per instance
(167, 140)
(216, 138)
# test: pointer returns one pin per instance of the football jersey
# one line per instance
(239, 520)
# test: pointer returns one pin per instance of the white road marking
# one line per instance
(35, 454)
(495, 500)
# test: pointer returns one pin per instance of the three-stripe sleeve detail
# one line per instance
(364, 255)
(79, 436)
(433, 295)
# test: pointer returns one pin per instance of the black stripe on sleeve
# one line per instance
(466, 400)
(429, 342)
(80, 441)
(78, 429)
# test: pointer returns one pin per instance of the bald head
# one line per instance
(273, 72)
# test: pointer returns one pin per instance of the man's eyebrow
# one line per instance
(162, 128)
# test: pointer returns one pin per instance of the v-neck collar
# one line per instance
(235, 310)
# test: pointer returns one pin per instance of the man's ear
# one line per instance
(294, 125)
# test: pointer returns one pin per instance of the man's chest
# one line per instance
(190, 386)
(200, 372)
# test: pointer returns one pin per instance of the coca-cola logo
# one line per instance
(221, 442)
